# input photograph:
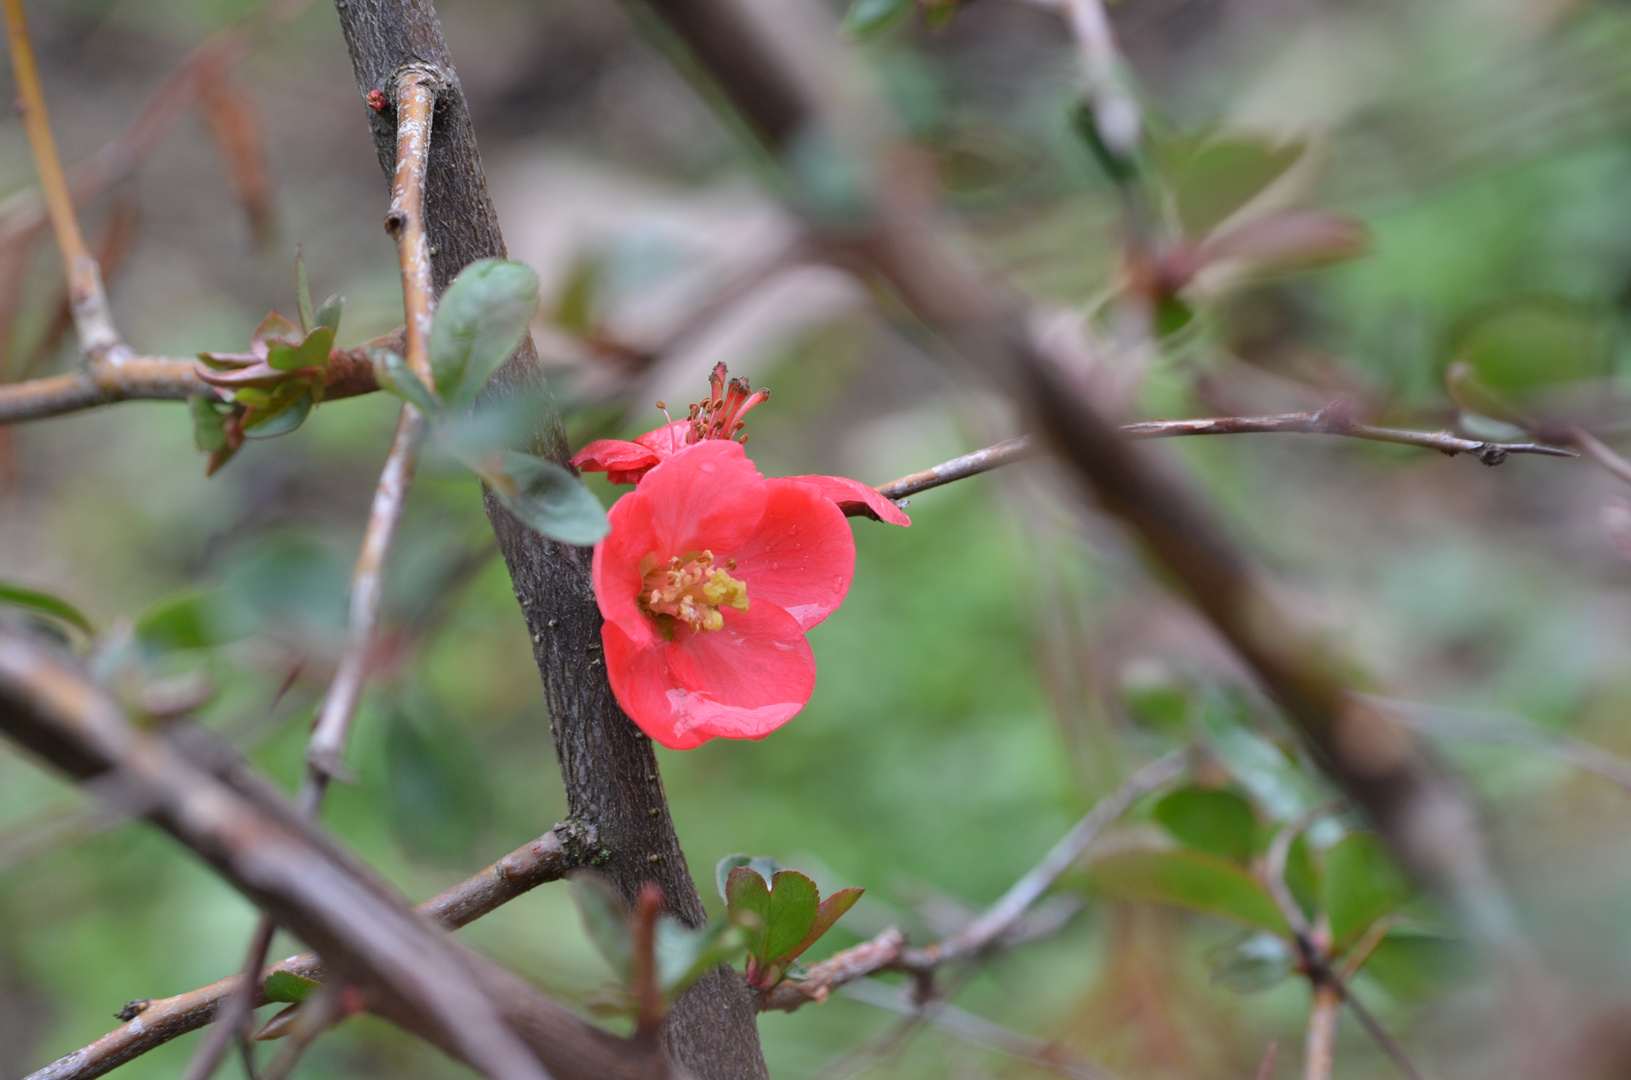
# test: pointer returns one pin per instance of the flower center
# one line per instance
(689, 589)
(721, 415)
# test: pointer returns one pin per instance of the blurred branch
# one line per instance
(163, 378)
(1050, 1057)
(993, 928)
(152, 1023)
(1319, 1053)
(760, 62)
(118, 159)
(608, 768)
(407, 971)
(98, 339)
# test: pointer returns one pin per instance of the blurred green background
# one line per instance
(998, 666)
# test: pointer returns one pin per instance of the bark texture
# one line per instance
(614, 790)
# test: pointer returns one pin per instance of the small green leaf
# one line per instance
(185, 620)
(685, 955)
(1224, 173)
(1189, 879)
(606, 920)
(302, 291)
(723, 868)
(868, 18)
(329, 314)
(1153, 697)
(209, 427)
(480, 320)
(1532, 343)
(395, 375)
(793, 903)
(747, 899)
(288, 987)
(280, 417)
(1361, 885)
(284, 356)
(1252, 964)
(1219, 822)
(548, 498)
(315, 349)
(828, 912)
(1302, 878)
(1414, 965)
(44, 603)
(1273, 780)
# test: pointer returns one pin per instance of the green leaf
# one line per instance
(828, 912)
(1189, 879)
(747, 900)
(793, 903)
(185, 620)
(1252, 964)
(44, 603)
(480, 320)
(685, 955)
(1302, 877)
(281, 417)
(1119, 167)
(395, 375)
(1361, 885)
(1272, 779)
(302, 291)
(1153, 697)
(288, 987)
(1224, 173)
(1532, 343)
(724, 867)
(329, 314)
(606, 920)
(315, 349)
(868, 18)
(548, 498)
(284, 356)
(1219, 822)
(1414, 965)
(209, 426)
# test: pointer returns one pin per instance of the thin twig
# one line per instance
(240, 1005)
(1599, 452)
(97, 338)
(154, 1023)
(1327, 421)
(979, 1031)
(888, 951)
(1319, 1054)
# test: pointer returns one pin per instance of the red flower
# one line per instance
(708, 580)
(720, 417)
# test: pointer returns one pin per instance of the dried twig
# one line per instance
(97, 337)
(888, 950)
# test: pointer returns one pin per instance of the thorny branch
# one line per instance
(99, 341)
(888, 951)
(152, 1023)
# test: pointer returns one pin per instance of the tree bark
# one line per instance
(613, 787)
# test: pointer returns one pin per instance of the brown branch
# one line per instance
(163, 378)
(408, 972)
(995, 926)
(1319, 1051)
(608, 768)
(97, 338)
(153, 1023)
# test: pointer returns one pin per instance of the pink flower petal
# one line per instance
(801, 556)
(850, 494)
(707, 497)
(614, 456)
(741, 682)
